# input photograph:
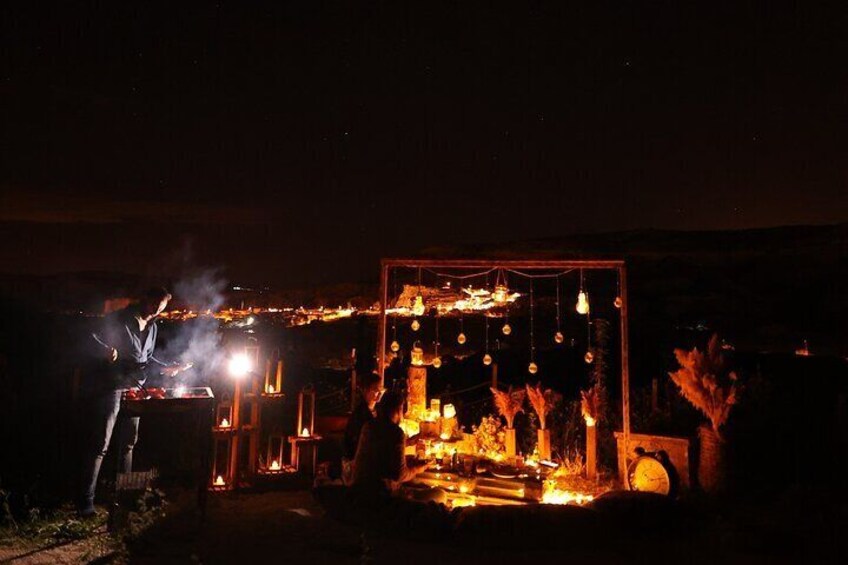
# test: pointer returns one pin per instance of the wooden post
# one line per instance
(381, 321)
(591, 452)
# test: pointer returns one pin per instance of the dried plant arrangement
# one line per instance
(590, 405)
(706, 381)
(542, 401)
(509, 404)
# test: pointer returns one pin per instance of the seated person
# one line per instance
(380, 460)
(369, 392)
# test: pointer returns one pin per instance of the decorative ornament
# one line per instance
(618, 302)
(416, 325)
(532, 368)
(487, 359)
(506, 329)
(460, 339)
(589, 357)
(437, 362)
(558, 337)
(395, 347)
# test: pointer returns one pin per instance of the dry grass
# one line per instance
(509, 403)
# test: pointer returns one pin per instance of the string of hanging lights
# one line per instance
(532, 368)
(437, 360)
(395, 346)
(461, 339)
(487, 358)
(589, 357)
(558, 336)
(618, 301)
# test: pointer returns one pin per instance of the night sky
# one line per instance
(297, 142)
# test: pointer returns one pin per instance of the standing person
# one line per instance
(380, 461)
(369, 393)
(125, 340)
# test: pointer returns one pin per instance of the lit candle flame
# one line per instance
(304, 432)
(225, 423)
(275, 465)
(219, 481)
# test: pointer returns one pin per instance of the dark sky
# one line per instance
(297, 142)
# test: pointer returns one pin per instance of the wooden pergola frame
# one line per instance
(610, 265)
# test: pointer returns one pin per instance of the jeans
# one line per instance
(105, 416)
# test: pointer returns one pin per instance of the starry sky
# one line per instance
(297, 142)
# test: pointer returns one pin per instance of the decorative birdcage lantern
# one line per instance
(306, 403)
(222, 471)
(273, 386)
(417, 355)
(273, 463)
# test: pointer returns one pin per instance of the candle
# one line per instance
(275, 465)
(304, 432)
(450, 411)
(219, 481)
(225, 423)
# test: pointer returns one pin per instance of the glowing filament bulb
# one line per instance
(589, 357)
(532, 368)
(487, 359)
(395, 347)
(416, 325)
(418, 306)
(437, 362)
(558, 337)
(582, 302)
(506, 329)
(618, 302)
(460, 339)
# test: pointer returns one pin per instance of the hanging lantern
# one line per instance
(532, 368)
(506, 329)
(558, 337)
(501, 294)
(618, 302)
(417, 354)
(306, 404)
(589, 357)
(416, 325)
(418, 305)
(460, 339)
(437, 362)
(582, 302)
(395, 346)
(487, 359)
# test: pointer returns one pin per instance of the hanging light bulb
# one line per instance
(589, 357)
(558, 337)
(418, 305)
(395, 346)
(618, 302)
(487, 359)
(532, 368)
(416, 325)
(582, 302)
(506, 329)
(437, 362)
(461, 339)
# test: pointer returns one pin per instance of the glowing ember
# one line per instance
(219, 481)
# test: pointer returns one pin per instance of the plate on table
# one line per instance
(504, 472)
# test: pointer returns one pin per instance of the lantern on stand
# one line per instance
(224, 414)
(304, 446)
(223, 470)
(273, 379)
(273, 462)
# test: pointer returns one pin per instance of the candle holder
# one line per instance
(306, 412)
(222, 464)
(224, 415)
(273, 387)
(273, 464)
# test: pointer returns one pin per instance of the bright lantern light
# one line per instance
(589, 357)
(487, 359)
(558, 337)
(437, 362)
(240, 365)
(532, 368)
(582, 302)
(418, 306)
(275, 465)
(618, 302)
(304, 432)
(460, 339)
(416, 325)
(395, 347)
(506, 329)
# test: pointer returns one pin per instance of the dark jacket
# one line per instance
(361, 415)
(380, 459)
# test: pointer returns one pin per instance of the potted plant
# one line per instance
(707, 382)
(509, 404)
(542, 402)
